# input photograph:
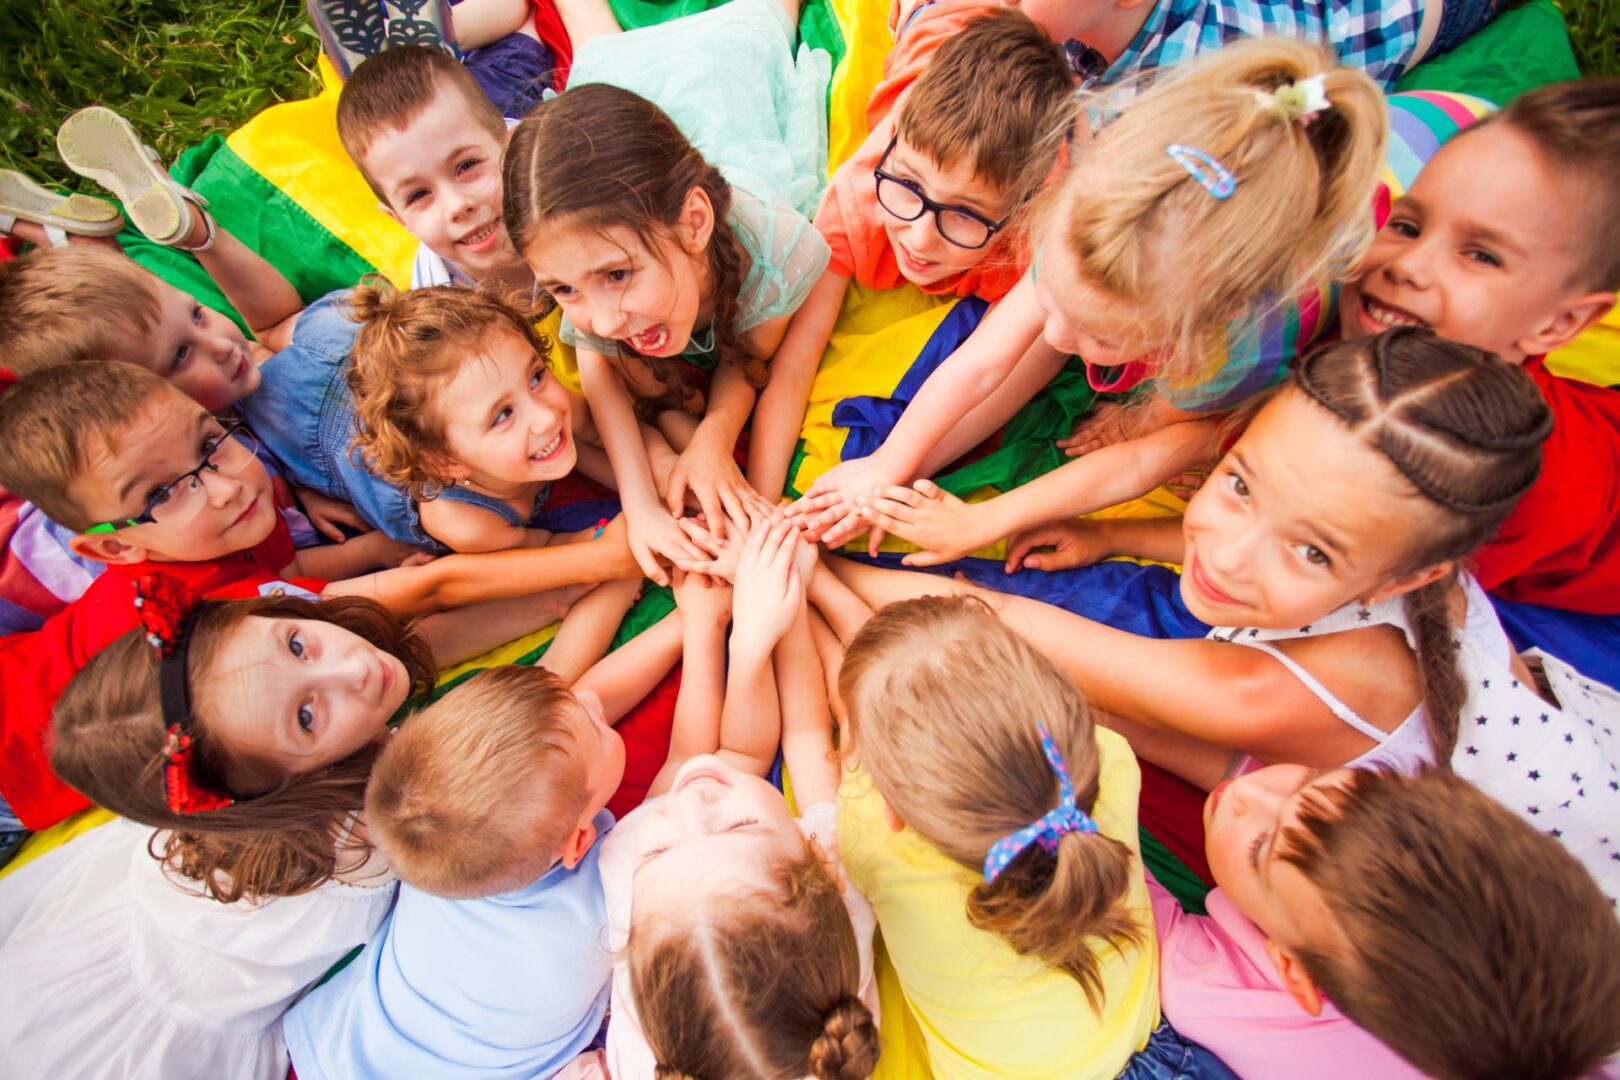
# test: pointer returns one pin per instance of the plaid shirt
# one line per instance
(1377, 36)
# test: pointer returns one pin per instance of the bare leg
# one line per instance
(484, 22)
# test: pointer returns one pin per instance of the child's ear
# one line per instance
(1410, 582)
(891, 818)
(697, 222)
(578, 844)
(106, 548)
(1301, 987)
(1572, 317)
(388, 212)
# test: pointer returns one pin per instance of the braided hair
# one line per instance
(1465, 431)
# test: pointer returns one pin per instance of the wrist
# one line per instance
(748, 650)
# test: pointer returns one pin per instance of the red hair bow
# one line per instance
(185, 793)
(163, 602)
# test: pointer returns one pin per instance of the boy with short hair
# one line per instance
(1509, 240)
(489, 805)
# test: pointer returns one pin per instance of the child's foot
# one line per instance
(350, 30)
(419, 22)
(57, 216)
(99, 144)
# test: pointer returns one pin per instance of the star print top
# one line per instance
(1556, 765)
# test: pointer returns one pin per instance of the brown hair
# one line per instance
(1477, 946)
(391, 88)
(476, 795)
(943, 700)
(993, 97)
(1575, 126)
(61, 305)
(409, 346)
(1465, 430)
(1146, 230)
(757, 987)
(599, 156)
(53, 420)
(282, 836)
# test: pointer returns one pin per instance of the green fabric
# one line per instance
(1027, 448)
(1169, 871)
(1518, 50)
(818, 25)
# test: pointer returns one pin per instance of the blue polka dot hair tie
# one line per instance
(1065, 817)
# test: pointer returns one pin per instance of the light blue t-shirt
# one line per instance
(507, 986)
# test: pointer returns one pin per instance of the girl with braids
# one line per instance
(667, 271)
(1330, 546)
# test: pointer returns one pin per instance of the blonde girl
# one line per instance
(1211, 198)
(993, 828)
(665, 272)
(1328, 550)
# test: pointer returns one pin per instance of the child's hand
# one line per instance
(708, 472)
(824, 509)
(769, 592)
(926, 515)
(1073, 543)
(655, 535)
(327, 515)
(704, 601)
(725, 551)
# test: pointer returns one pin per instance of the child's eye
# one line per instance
(306, 717)
(159, 495)
(560, 291)
(618, 277)
(536, 377)
(1402, 227)
(1239, 486)
(743, 824)
(470, 163)
(182, 356)
(1484, 258)
(295, 644)
(419, 193)
(197, 314)
(501, 417)
(1313, 555)
(1254, 851)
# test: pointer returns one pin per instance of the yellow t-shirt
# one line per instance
(984, 1010)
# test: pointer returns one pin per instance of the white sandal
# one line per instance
(59, 215)
(99, 144)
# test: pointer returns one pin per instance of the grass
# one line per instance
(181, 70)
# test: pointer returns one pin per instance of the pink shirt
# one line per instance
(1218, 987)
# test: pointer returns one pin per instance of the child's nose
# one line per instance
(221, 488)
(608, 318)
(1413, 266)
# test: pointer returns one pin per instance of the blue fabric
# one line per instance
(1588, 643)
(506, 986)
(1169, 1055)
(499, 506)
(303, 413)
(1460, 20)
(513, 71)
(12, 832)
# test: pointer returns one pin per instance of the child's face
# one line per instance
(718, 829)
(1299, 519)
(301, 694)
(440, 177)
(612, 285)
(1244, 820)
(506, 417)
(200, 351)
(1082, 318)
(1481, 250)
(602, 750)
(1065, 19)
(224, 510)
(924, 255)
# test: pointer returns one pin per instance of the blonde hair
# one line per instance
(410, 345)
(477, 793)
(943, 703)
(51, 421)
(62, 305)
(1145, 229)
(759, 986)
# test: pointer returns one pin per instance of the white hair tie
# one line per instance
(1301, 100)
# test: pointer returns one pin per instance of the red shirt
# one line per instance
(1561, 545)
(35, 667)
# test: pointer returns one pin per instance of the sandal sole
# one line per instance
(99, 144)
(83, 215)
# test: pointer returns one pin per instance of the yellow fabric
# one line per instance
(57, 835)
(866, 42)
(1593, 357)
(982, 1010)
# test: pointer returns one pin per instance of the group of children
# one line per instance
(251, 554)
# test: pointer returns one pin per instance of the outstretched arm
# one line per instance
(780, 413)
(705, 610)
(629, 673)
(263, 295)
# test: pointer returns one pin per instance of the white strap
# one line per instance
(1339, 708)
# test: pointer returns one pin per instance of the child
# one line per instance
(714, 888)
(489, 805)
(1543, 275)
(662, 269)
(429, 144)
(1362, 914)
(993, 827)
(1212, 195)
(455, 403)
(976, 132)
(1325, 552)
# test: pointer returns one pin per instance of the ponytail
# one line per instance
(847, 1048)
(1428, 613)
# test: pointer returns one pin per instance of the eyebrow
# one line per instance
(140, 475)
(601, 268)
(954, 198)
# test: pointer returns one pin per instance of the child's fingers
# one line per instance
(700, 535)
(676, 502)
(928, 489)
(649, 565)
(872, 515)
(925, 558)
(895, 494)
(842, 531)
(898, 511)
(874, 541)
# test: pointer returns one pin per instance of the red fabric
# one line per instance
(35, 667)
(645, 730)
(553, 35)
(1173, 811)
(1561, 545)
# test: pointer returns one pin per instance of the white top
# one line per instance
(628, 1057)
(1556, 765)
(115, 968)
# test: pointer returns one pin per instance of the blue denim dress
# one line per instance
(303, 413)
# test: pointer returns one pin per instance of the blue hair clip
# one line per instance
(1216, 178)
(1065, 817)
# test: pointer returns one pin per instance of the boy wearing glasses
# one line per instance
(963, 129)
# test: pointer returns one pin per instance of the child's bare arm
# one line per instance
(355, 556)
(780, 412)
(629, 673)
(844, 611)
(467, 528)
(707, 468)
(459, 635)
(263, 295)
(705, 610)
(1083, 542)
(807, 724)
(768, 598)
(585, 634)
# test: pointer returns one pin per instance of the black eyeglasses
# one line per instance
(179, 499)
(905, 200)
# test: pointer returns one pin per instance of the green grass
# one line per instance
(179, 70)
(1594, 28)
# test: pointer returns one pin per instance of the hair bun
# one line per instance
(373, 298)
(847, 1048)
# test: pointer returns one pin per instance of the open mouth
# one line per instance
(649, 340)
(912, 263)
(475, 239)
(550, 450)
(1379, 315)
